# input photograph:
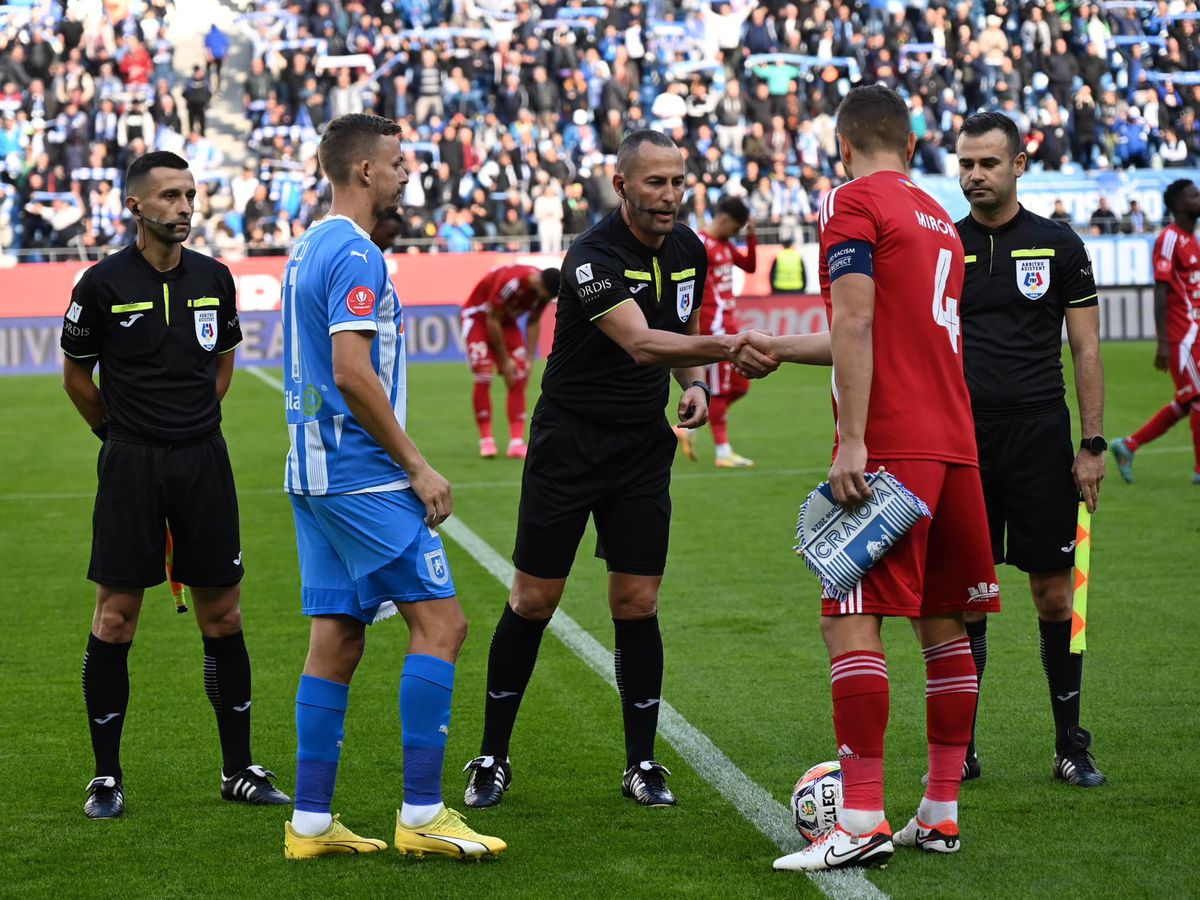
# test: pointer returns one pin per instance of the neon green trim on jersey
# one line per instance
(686, 273)
(1032, 252)
(610, 309)
(638, 276)
(967, 260)
(1083, 299)
(200, 302)
(167, 301)
(131, 307)
(657, 280)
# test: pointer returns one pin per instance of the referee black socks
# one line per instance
(227, 683)
(1064, 673)
(511, 659)
(639, 668)
(106, 696)
(977, 634)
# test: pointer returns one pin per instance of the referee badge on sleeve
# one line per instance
(683, 299)
(1033, 277)
(206, 328)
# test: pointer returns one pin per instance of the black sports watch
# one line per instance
(1096, 443)
(703, 385)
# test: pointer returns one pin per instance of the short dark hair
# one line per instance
(550, 281)
(634, 141)
(1174, 193)
(873, 118)
(735, 208)
(347, 139)
(984, 122)
(143, 165)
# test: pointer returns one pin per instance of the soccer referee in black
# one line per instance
(600, 445)
(162, 323)
(1024, 276)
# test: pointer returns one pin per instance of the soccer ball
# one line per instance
(817, 799)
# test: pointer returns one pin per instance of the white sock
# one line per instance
(724, 449)
(412, 815)
(310, 824)
(860, 821)
(931, 812)
(515, 442)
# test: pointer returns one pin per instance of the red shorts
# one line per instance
(944, 564)
(1183, 360)
(482, 358)
(724, 380)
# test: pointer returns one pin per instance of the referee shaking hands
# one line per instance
(1024, 275)
(162, 323)
(600, 446)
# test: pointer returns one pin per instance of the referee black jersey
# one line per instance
(1020, 280)
(587, 373)
(157, 336)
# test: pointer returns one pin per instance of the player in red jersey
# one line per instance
(1177, 321)
(495, 344)
(716, 317)
(892, 275)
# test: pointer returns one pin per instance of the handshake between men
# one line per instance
(756, 354)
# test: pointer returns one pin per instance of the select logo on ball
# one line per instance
(361, 301)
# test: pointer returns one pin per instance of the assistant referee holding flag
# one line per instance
(600, 445)
(162, 323)
(1024, 275)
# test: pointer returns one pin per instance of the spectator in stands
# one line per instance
(1135, 219)
(197, 94)
(216, 48)
(258, 210)
(63, 217)
(457, 232)
(1060, 213)
(1104, 220)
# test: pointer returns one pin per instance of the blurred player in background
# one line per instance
(887, 248)
(716, 317)
(366, 504)
(1177, 321)
(495, 343)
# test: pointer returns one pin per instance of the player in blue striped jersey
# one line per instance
(366, 506)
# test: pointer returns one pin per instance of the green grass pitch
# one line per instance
(745, 665)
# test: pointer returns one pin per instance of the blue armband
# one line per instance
(851, 257)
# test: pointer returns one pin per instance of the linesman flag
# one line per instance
(1083, 568)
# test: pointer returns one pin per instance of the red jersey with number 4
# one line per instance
(919, 405)
(1177, 264)
(719, 303)
(505, 288)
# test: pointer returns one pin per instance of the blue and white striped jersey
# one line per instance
(336, 280)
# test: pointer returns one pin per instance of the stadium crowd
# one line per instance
(513, 110)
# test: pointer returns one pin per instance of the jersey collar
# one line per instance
(623, 234)
(1008, 226)
(353, 224)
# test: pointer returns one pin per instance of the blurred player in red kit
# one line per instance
(716, 318)
(495, 344)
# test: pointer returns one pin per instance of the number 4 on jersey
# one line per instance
(945, 309)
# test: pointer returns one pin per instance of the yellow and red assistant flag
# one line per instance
(1083, 568)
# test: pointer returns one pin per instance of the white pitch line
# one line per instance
(754, 803)
(756, 806)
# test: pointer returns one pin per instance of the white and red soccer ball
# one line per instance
(817, 799)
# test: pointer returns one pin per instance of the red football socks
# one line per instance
(860, 714)
(951, 691)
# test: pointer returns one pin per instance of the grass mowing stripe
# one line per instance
(754, 804)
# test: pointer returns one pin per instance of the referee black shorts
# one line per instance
(619, 475)
(1028, 489)
(143, 489)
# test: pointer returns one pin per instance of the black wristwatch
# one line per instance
(703, 385)
(1096, 443)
